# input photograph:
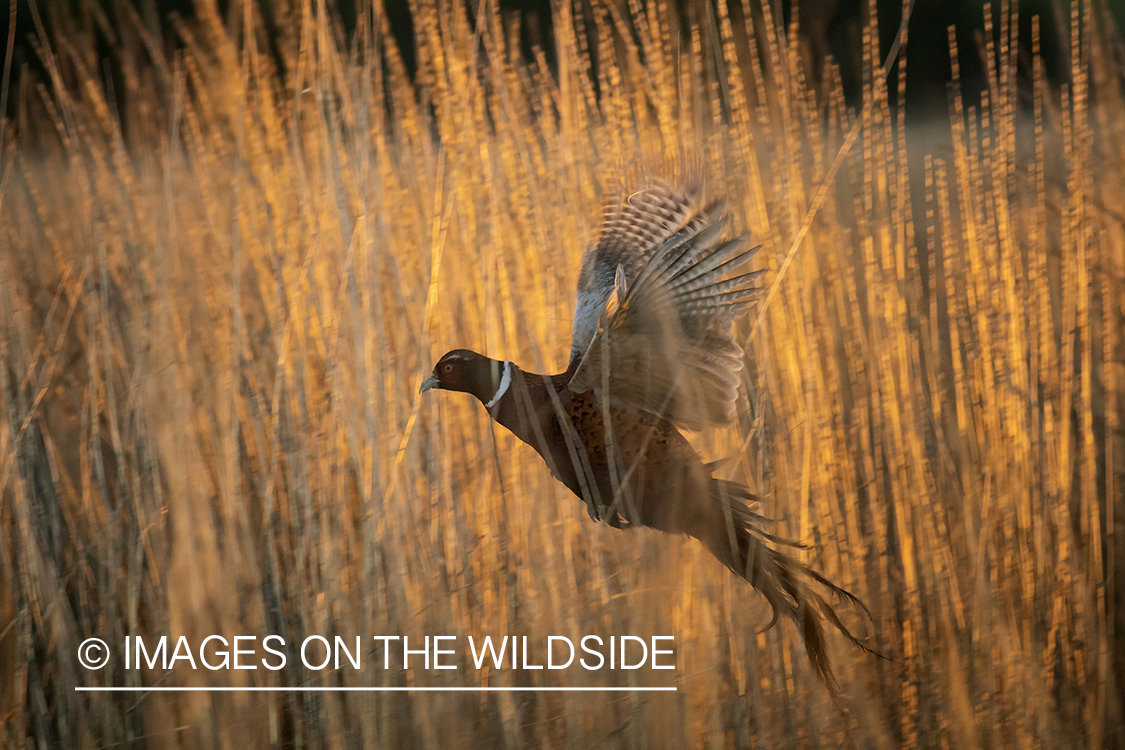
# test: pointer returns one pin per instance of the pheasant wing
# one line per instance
(662, 339)
(632, 230)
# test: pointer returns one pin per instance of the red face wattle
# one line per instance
(455, 371)
(449, 373)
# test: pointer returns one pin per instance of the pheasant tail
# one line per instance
(733, 534)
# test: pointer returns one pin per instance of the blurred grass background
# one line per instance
(222, 279)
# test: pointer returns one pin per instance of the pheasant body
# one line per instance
(653, 351)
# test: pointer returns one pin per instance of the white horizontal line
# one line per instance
(663, 689)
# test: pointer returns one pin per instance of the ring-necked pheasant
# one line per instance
(652, 348)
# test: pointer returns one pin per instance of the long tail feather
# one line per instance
(733, 535)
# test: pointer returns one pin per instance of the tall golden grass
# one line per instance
(221, 286)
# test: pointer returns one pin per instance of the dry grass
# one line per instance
(219, 291)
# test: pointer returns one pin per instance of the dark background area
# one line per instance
(828, 27)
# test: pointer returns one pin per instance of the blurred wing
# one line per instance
(662, 341)
(631, 232)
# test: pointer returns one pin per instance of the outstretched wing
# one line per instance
(632, 229)
(662, 338)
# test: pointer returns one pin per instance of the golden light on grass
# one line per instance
(221, 286)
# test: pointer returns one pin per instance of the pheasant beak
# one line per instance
(430, 382)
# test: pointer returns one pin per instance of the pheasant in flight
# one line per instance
(653, 350)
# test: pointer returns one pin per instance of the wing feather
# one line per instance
(632, 230)
(656, 328)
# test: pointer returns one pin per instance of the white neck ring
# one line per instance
(505, 384)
